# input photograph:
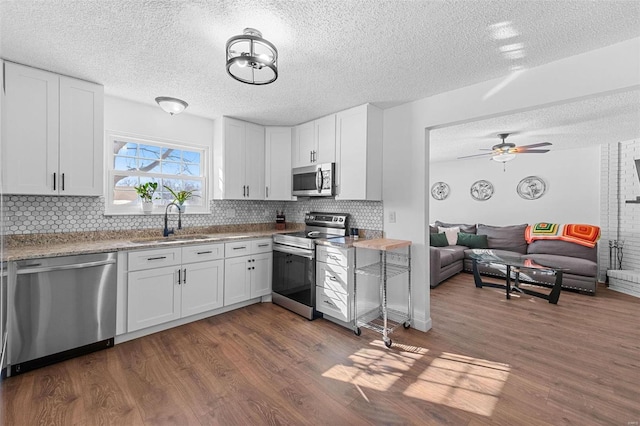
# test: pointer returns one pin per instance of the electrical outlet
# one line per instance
(392, 217)
(230, 213)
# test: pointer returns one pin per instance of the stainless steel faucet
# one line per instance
(168, 231)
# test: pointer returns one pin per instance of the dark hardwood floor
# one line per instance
(486, 361)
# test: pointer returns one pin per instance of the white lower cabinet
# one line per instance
(247, 276)
(334, 282)
(160, 288)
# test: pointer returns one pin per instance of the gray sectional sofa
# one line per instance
(579, 263)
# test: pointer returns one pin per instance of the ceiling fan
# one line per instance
(506, 151)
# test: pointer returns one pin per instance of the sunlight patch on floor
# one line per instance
(461, 382)
(376, 367)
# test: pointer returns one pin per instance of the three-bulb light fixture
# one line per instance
(252, 59)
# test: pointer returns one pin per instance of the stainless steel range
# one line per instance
(294, 261)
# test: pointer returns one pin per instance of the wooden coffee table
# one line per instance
(516, 265)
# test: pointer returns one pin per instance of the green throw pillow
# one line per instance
(438, 240)
(472, 240)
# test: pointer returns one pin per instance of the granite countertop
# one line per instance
(21, 247)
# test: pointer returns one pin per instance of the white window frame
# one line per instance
(112, 209)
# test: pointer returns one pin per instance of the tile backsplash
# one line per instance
(29, 214)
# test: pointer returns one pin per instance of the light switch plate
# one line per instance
(392, 217)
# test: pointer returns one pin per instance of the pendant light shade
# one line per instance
(252, 59)
(171, 105)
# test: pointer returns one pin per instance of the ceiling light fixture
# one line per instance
(504, 157)
(252, 59)
(171, 105)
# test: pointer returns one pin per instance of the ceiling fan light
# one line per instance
(171, 105)
(503, 157)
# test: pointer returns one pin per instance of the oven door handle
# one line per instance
(309, 254)
(319, 180)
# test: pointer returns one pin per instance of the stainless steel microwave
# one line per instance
(314, 181)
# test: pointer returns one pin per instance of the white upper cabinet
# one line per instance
(359, 153)
(277, 163)
(52, 133)
(315, 142)
(238, 160)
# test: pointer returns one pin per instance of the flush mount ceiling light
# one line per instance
(252, 59)
(171, 105)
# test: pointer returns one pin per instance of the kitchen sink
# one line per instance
(170, 239)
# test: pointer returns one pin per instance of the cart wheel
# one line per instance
(406, 325)
(387, 343)
(357, 331)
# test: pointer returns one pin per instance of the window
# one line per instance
(135, 160)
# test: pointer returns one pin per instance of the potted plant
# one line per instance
(179, 197)
(146, 191)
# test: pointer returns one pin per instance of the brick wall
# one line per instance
(620, 220)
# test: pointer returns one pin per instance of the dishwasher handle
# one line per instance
(38, 269)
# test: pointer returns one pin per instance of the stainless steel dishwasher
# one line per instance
(60, 307)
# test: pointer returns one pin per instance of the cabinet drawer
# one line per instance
(147, 259)
(238, 248)
(334, 255)
(262, 246)
(334, 304)
(332, 277)
(201, 253)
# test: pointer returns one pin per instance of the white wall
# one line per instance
(406, 165)
(146, 120)
(572, 196)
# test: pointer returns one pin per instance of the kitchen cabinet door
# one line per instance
(278, 149)
(202, 287)
(254, 161)
(234, 158)
(81, 137)
(325, 135)
(237, 280)
(359, 154)
(261, 274)
(29, 130)
(154, 297)
(304, 144)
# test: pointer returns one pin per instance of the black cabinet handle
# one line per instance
(240, 248)
(157, 258)
(204, 252)
(179, 276)
(63, 181)
(54, 181)
(184, 276)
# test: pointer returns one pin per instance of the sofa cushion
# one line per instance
(467, 228)
(451, 254)
(569, 265)
(472, 240)
(438, 240)
(563, 248)
(451, 233)
(509, 238)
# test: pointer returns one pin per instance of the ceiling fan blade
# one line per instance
(476, 155)
(531, 151)
(535, 145)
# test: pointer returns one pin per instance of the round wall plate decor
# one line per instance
(440, 190)
(531, 188)
(481, 190)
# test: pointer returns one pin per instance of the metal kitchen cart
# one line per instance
(393, 262)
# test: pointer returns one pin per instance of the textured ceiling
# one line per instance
(332, 54)
(588, 122)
